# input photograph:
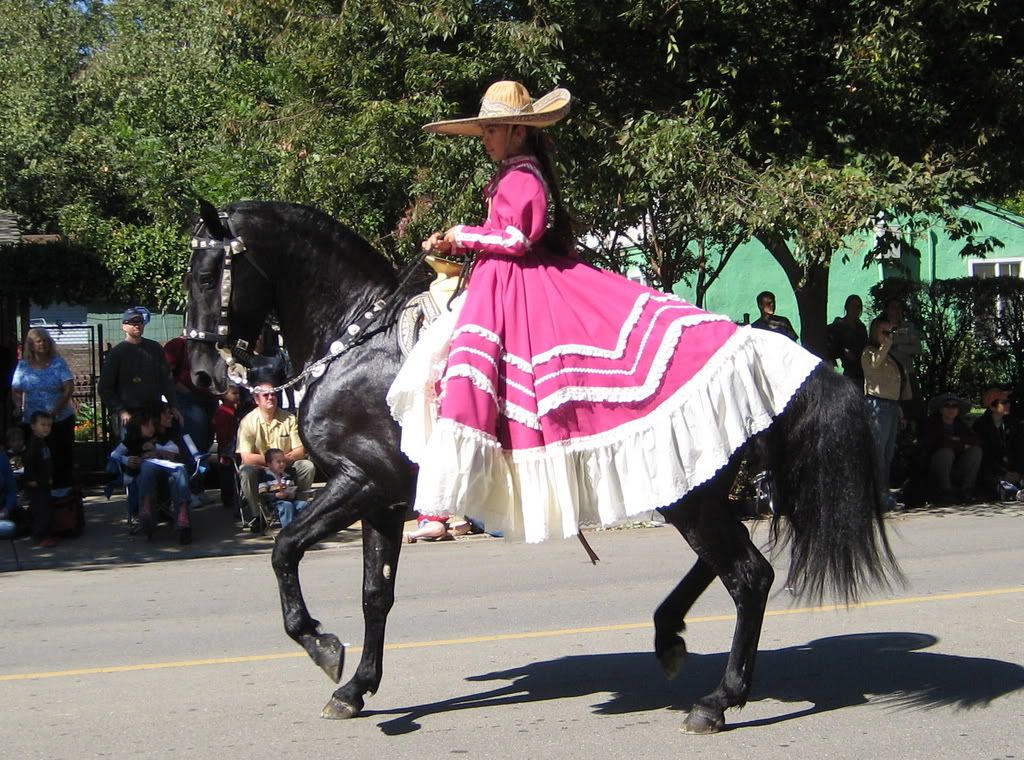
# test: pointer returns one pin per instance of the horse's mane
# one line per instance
(339, 248)
(339, 252)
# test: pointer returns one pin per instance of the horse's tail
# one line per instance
(821, 455)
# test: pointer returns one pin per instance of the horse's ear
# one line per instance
(208, 213)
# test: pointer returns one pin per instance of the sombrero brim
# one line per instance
(546, 111)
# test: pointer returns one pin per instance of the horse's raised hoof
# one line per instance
(329, 653)
(703, 720)
(338, 709)
(672, 659)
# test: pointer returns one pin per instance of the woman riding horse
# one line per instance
(714, 395)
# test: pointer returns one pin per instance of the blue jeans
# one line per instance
(147, 485)
(286, 510)
(885, 417)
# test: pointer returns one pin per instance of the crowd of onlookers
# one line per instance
(924, 451)
(168, 433)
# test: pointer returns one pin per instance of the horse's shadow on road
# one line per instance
(829, 673)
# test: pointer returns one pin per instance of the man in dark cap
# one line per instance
(135, 374)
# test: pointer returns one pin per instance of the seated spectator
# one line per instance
(1001, 438)
(277, 490)
(225, 430)
(950, 449)
(15, 438)
(268, 427)
(39, 479)
(12, 516)
(769, 320)
(151, 464)
(848, 338)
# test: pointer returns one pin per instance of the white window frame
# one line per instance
(1018, 260)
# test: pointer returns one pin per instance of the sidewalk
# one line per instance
(106, 540)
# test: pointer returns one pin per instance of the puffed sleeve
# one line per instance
(518, 218)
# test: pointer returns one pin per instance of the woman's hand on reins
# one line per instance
(440, 243)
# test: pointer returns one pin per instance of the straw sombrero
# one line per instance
(508, 103)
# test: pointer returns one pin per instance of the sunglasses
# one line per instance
(266, 394)
(135, 322)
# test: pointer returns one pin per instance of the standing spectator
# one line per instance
(43, 383)
(951, 449)
(268, 427)
(847, 339)
(39, 478)
(884, 386)
(1001, 438)
(196, 405)
(271, 364)
(135, 374)
(225, 429)
(906, 345)
(769, 320)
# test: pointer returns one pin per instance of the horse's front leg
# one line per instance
(335, 508)
(382, 543)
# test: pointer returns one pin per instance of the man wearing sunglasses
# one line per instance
(1002, 444)
(135, 374)
(269, 427)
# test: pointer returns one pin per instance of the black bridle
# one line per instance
(218, 332)
(239, 350)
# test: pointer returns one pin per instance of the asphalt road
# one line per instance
(499, 650)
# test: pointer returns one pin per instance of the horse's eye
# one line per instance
(206, 280)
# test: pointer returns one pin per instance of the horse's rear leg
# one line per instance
(335, 508)
(382, 543)
(670, 618)
(723, 545)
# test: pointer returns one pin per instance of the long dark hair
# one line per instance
(559, 237)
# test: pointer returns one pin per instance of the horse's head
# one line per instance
(229, 299)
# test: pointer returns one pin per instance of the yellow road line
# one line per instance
(510, 636)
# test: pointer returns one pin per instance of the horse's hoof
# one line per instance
(329, 653)
(337, 709)
(673, 659)
(702, 720)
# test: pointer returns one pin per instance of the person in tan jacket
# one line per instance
(885, 385)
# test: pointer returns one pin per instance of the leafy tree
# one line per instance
(46, 273)
(45, 48)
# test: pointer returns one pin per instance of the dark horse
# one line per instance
(319, 278)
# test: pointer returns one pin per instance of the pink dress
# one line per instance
(557, 394)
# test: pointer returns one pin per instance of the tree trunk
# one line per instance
(810, 286)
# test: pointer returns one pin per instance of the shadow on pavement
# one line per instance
(830, 674)
(106, 540)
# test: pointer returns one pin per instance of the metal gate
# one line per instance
(79, 344)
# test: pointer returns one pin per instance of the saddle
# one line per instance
(418, 312)
(423, 308)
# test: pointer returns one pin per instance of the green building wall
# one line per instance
(752, 269)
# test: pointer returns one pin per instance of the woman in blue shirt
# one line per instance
(43, 383)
